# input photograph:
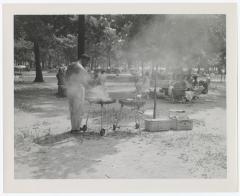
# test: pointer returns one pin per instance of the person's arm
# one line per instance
(86, 79)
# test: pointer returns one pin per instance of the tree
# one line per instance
(165, 40)
(23, 52)
(94, 35)
(36, 29)
(126, 39)
(102, 40)
(42, 31)
(66, 46)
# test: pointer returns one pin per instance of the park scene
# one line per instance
(152, 104)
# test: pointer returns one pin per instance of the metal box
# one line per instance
(186, 124)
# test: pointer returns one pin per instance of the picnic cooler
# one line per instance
(182, 121)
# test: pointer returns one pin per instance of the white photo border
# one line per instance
(230, 184)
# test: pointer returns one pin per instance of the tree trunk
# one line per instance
(50, 62)
(39, 77)
(81, 35)
(43, 65)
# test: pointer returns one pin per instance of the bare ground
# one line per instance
(45, 149)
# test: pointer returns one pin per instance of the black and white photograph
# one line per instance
(120, 96)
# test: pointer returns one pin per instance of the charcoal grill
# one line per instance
(102, 103)
(135, 104)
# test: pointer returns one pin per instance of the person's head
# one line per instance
(84, 59)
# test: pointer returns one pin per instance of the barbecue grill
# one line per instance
(102, 103)
(135, 104)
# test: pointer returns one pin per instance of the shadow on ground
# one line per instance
(66, 155)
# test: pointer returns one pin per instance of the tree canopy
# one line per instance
(48, 41)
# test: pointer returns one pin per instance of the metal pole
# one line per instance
(101, 116)
(155, 94)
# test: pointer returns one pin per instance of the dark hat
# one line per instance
(84, 56)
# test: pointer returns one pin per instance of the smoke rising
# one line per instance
(81, 85)
(179, 40)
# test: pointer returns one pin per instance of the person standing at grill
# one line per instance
(78, 81)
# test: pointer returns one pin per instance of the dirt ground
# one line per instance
(45, 149)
